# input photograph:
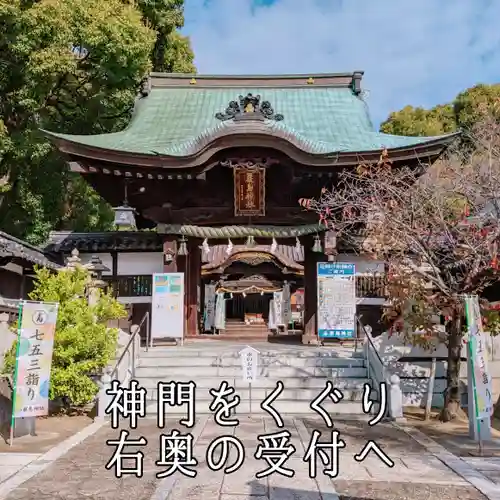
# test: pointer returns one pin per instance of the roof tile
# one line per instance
(175, 121)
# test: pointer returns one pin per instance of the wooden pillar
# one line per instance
(311, 259)
(193, 282)
(114, 272)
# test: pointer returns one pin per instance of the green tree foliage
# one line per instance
(172, 52)
(476, 103)
(71, 66)
(83, 344)
(412, 121)
(468, 108)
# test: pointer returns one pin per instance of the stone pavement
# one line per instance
(12, 463)
(416, 474)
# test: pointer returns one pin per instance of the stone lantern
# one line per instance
(96, 269)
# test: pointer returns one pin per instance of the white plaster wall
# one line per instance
(363, 265)
(140, 263)
(130, 263)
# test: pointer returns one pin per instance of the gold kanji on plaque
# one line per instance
(249, 191)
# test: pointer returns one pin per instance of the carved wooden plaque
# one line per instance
(249, 191)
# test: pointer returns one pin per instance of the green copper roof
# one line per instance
(173, 121)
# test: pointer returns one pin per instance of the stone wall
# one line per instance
(415, 374)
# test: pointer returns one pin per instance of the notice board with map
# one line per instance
(167, 308)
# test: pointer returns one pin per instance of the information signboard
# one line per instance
(167, 309)
(336, 300)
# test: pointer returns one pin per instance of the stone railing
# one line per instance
(379, 373)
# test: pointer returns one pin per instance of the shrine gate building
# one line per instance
(207, 177)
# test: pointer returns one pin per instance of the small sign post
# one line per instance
(249, 364)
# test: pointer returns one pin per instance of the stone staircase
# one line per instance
(303, 371)
(237, 329)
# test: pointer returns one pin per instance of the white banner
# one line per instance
(220, 312)
(209, 308)
(35, 344)
(287, 304)
(167, 308)
(478, 360)
(278, 308)
(271, 323)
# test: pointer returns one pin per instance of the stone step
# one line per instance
(217, 350)
(282, 406)
(262, 383)
(278, 372)
(264, 361)
(259, 394)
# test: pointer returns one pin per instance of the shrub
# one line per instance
(83, 343)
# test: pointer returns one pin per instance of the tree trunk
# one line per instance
(453, 393)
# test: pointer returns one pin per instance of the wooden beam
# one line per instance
(192, 215)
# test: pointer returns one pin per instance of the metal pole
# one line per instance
(133, 357)
(149, 330)
(11, 440)
(250, 396)
(480, 438)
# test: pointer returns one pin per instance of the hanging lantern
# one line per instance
(317, 245)
(229, 248)
(244, 294)
(250, 241)
(274, 245)
(183, 251)
(231, 295)
(124, 217)
(262, 293)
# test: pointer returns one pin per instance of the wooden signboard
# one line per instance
(249, 191)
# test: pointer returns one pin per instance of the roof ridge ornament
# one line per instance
(249, 107)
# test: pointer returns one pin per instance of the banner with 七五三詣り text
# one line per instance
(478, 360)
(35, 344)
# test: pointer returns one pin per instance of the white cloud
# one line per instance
(413, 52)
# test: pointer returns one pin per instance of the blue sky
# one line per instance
(413, 52)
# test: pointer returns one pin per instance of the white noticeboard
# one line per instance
(249, 364)
(336, 300)
(167, 308)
